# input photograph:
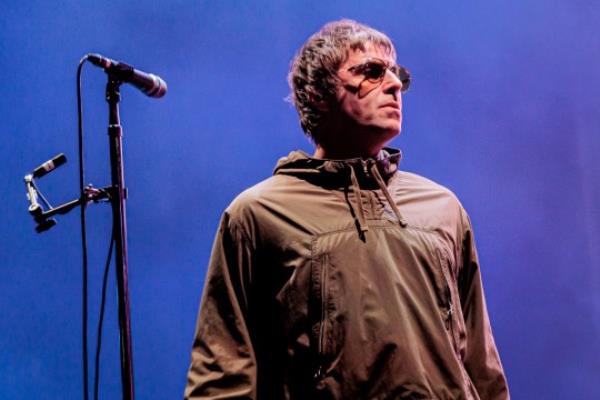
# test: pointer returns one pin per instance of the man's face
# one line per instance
(369, 110)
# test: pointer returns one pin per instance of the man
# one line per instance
(341, 277)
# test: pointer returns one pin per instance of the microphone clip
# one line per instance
(44, 218)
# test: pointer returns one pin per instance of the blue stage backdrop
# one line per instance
(504, 110)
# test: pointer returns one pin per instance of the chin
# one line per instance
(382, 138)
(390, 131)
(390, 127)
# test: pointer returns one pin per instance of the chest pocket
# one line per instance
(373, 299)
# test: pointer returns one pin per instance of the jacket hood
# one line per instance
(352, 173)
(299, 163)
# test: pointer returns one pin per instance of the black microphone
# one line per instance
(150, 84)
(49, 166)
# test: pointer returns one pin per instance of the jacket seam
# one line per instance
(317, 236)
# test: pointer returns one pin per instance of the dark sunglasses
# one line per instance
(374, 70)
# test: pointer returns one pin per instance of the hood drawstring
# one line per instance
(362, 221)
(383, 187)
(301, 165)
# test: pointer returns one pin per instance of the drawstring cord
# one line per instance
(362, 221)
(383, 187)
(360, 214)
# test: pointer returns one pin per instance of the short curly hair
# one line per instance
(313, 70)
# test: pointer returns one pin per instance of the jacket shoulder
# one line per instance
(256, 195)
(417, 183)
(248, 208)
(430, 202)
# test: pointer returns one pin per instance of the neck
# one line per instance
(339, 153)
(341, 139)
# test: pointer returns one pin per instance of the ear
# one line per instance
(320, 103)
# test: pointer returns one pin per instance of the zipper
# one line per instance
(450, 306)
(446, 271)
(322, 339)
(450, 327)
(450, 317)
(449, 313)
(365, 165)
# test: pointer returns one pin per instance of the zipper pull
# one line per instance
(449, 315)
(319, 374)
(365, 167)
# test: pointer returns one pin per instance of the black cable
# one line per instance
(83, 234)
(101, 317)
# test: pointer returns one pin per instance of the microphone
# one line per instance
(49, 166)
(150, 84)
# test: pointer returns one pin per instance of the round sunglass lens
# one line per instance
(404, 77)
(374, 71)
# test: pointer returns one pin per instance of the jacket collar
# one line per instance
(300, 163)
(352, 173)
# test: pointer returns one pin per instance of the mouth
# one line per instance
(392, 105)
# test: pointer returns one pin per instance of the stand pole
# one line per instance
(120, 231)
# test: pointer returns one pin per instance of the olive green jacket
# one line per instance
(344, 280)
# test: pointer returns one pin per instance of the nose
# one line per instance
(392, 84)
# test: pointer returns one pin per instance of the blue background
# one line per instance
(504, 110)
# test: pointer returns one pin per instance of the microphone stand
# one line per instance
(115, 133)
(152, 86)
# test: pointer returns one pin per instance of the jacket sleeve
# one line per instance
(481, 358)
(223, 365)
